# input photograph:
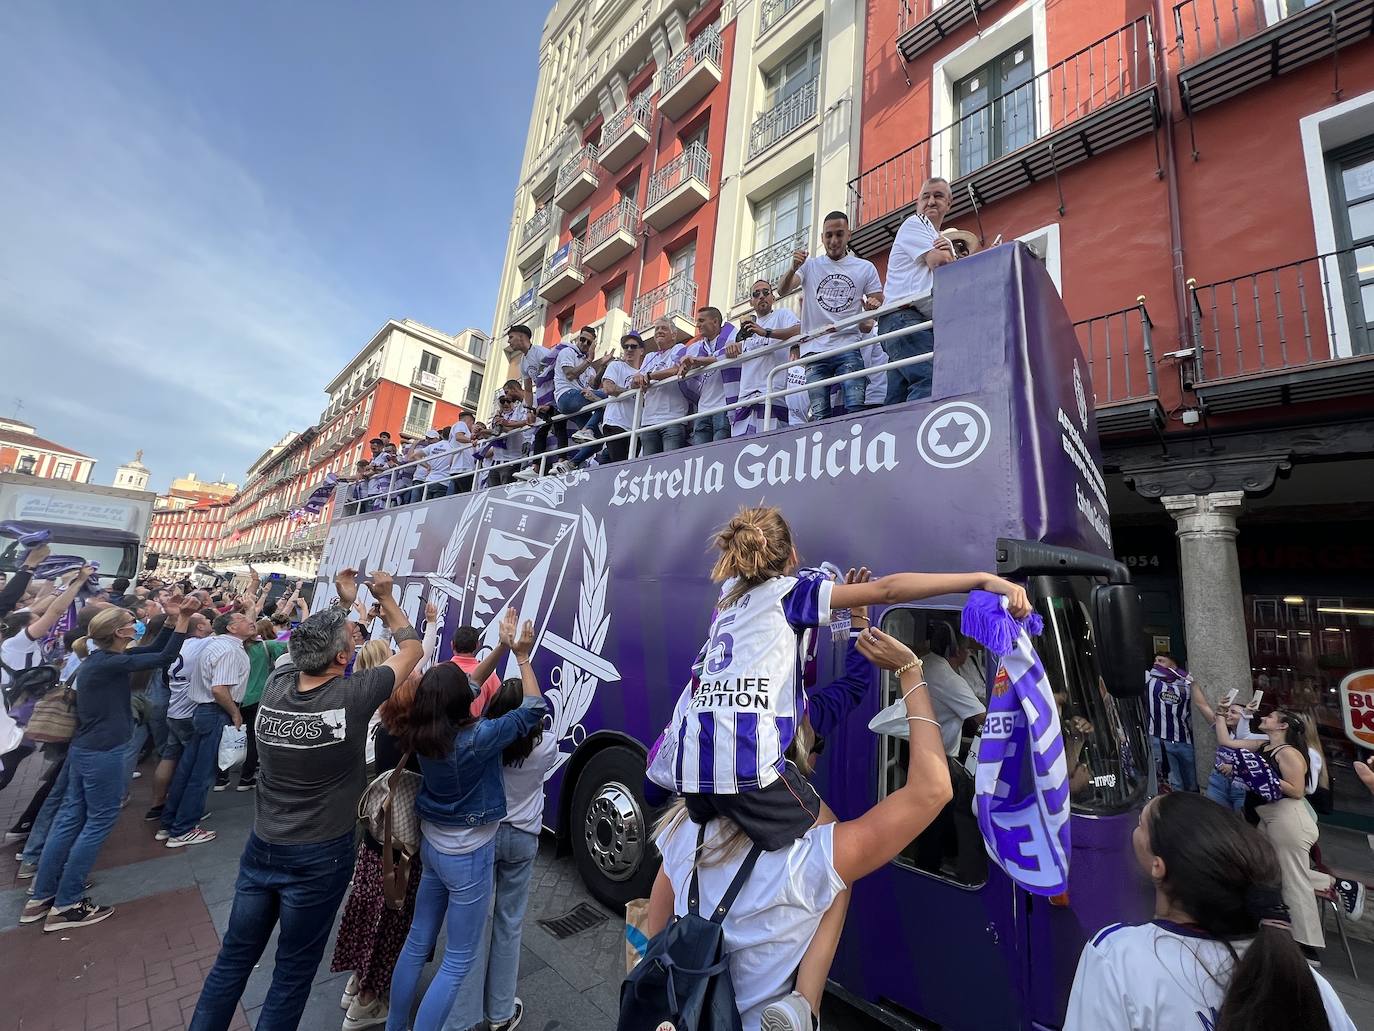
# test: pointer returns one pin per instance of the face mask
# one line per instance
(139, 627)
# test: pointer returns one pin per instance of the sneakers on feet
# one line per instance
(350, 992)
(35, 910)
(514, 1022)
(360, 1016)
(26, 870)
(195, 836)
(1312, 956)
(1351, 892)
(790, 1013)
(14, 837)
(220, 785)
(246, 785)
(136, 774)
(161, 835)
(583, 437)
(563, 468)
(83, 913)
(525, 475)
(154, 813)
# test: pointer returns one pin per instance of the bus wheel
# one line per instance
(610, 827)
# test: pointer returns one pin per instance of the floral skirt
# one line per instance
(371, 935)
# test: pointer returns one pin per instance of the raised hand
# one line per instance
(506, 631)
(1018, 603)
(380, 583)
(798, 258)
(524, 644)
(37, 556)
(883, 650)
(431, 612)
(346, 583)
(858, 576)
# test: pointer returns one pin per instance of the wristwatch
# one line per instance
(768, 332)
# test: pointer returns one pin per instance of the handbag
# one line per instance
(53, 720)
(387, 810)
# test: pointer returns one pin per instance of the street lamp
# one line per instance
(26, 465)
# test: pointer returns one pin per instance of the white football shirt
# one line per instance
(831, 291)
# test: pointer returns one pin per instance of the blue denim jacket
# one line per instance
(465, 789)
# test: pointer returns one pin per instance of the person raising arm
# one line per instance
(409, 650)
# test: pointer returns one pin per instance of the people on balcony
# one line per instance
(917, 251)
(835, 286)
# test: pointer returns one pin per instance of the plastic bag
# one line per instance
(233, 746)
(636, 941)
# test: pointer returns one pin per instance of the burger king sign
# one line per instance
(1357, 706)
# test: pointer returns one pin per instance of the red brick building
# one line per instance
(22, 450)
(182, 537)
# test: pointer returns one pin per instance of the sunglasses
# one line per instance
(633, 347)
(585, 342)
(761, 293)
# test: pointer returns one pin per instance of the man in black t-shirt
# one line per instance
(311, 732)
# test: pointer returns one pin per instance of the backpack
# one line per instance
(28, 685)
(683, 982)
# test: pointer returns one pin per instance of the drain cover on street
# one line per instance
(580, 919)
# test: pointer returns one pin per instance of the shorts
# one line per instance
(178, 733)
(773, 817)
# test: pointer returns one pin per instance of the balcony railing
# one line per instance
(623, 217)
(584, 85)
(567, 256)
(1119, 348)
(706, 47)
(416, 427)
(541, 167)
(675, 298)
(423, 379)
(526, 301)
(1095, 99)
(923, 23)
(583, 161)
(537, 224)
(638, 112)
(771, 263)
(784, 117)
(1295, 316)
(773, 11)
(692, 163)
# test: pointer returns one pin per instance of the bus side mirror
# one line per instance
(1120, 643)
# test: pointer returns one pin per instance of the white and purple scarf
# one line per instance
(320, 496)
(1252, 770)
(1022, 784)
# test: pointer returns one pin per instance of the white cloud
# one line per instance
(151, 294)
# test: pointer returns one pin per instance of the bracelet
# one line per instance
(914, 690)
(913, 664)
(927, 719)
(524, 662)
(404, 633)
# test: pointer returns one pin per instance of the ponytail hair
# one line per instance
(1225, 875)
(755, 546)
(1295, 733)
(507, 698)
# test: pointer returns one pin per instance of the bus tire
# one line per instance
(610, 829)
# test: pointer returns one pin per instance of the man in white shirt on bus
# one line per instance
(760, 331)
(663, 396)
(836, 286)
(714, 387)
(576, 378)
(917, 252)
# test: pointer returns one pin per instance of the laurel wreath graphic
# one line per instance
(448, 559)
(571, 699)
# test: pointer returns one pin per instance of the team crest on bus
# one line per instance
(515, 551)
(953, 435)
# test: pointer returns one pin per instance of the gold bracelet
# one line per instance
(913, 664)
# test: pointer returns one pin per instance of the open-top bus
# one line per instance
(999, 469)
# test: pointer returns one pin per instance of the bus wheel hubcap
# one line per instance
(614, 832)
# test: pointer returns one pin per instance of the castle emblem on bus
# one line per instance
(953, 435)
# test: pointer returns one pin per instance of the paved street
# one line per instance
(142, 969)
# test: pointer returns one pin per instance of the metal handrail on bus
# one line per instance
(767, 398)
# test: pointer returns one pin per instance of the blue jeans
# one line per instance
(454, 890)
(1182, 762)
(299, 886)
(836, 365)
(43, 821)
(1225, 791)
(90, 806)
(571, 402)
(711, 427)
(195, 771)
(656, 440)
(489, 989)
(910, 382)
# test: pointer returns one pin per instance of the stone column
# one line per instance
(1213, 608)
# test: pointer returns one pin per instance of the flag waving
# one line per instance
(1022, 784)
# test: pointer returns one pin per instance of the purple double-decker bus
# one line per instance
(999, 469)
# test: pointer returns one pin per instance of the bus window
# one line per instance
(1104, 738)
(955, 670)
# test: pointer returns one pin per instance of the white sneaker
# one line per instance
(350, 992)
(195, 836)
(161, 835)
(790, 1013)
(562, 468)
(525, 475)
(583, 437)
(360, 1016)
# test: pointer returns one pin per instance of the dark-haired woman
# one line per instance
(1218, 954)
(490, 995)
(461, 805)
(1288, 823)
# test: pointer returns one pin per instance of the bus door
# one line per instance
(939, 932)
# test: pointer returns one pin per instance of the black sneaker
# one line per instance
(1312, 956)
(247, 784)
(221, 782)
(1352, 897)
(155, 813)
(79, 915)
(514, 1022)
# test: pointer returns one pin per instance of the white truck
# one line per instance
(108, 525)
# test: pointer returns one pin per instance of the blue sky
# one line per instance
(207, 208)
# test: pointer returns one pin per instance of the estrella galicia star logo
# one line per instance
(953, 435)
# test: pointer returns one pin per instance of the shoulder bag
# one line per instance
(387, 810)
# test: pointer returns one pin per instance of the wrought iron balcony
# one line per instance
(564, 273)
(771, 263)
(679, 187)
(773, 11)
(1283, 335)
(612, 236)
(784, 118)
(676, 299)
(578, 178)
(626, 132)
(536, 227)
(1093, 100)
(691, 74)
(1119, 348)
(526, 302)
(423, 379)
(413, 427)
(923, 23)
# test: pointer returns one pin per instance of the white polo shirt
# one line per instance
(907, 275)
